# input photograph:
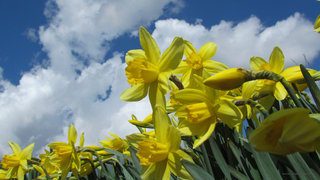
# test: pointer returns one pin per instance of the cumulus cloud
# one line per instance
(238, 42)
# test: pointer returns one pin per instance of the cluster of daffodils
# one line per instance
(190, 95)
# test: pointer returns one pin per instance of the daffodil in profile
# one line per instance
(287, 131)
(16, 164)
(116, 144)
(201, 110)
(148, 70)
(160, 156)
(198, 62)
(49, 163)
(67, 157)
(276, 65)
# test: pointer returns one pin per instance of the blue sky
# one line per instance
(61, 59)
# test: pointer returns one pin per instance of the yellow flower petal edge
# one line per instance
(149, 46)
(286, 131)
(317, 24)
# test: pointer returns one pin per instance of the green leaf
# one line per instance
(301, 167)
(135, 159)
(196, 171)
(237, 153)
(266, 166)
(315, 92)
(219, 158)
(237, 174)
(117, 154)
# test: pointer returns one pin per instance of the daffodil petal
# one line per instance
(214, 66)
(135, 92)
(182, 68)
(15, 147)
(286, 131)
(186, 77)
(280, 93)
(248, 88)
(229, 113)
(203, 137)
(304, 134)
(207, 51)
(81, 140)
(189, 49)
(172, 56)
(317, 25)
(257, 63)
(72, 135)
(149, 46)
(27, 152)
(173, 137)
(187, 96)
(134, 54)
(276, 60)
(163, 80)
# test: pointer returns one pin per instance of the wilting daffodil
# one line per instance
(198, 62)
(200, 111)
(116, 144)
(149, 70)
(287, 131)
(66, 155)
(162, 155)
(16, 163)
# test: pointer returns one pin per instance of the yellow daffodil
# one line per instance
(67, 156)
(148, 70)
(49, 163)
(317, 24)
(276, 65)
(116, 144)
(200, 111)
(198, 63)
(162, 155)
(287, 131)
(16, 163)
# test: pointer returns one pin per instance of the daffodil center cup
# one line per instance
(63, 151)
(141, 71)
(194, 61)
(198, 112)
(151, 151)
(10, 161)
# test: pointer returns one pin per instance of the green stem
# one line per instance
(252, 103)
(277, 78)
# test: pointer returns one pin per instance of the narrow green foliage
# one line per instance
(196, 171)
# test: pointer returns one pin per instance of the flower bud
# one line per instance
(227, 79)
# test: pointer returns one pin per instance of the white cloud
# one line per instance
(238, 42)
